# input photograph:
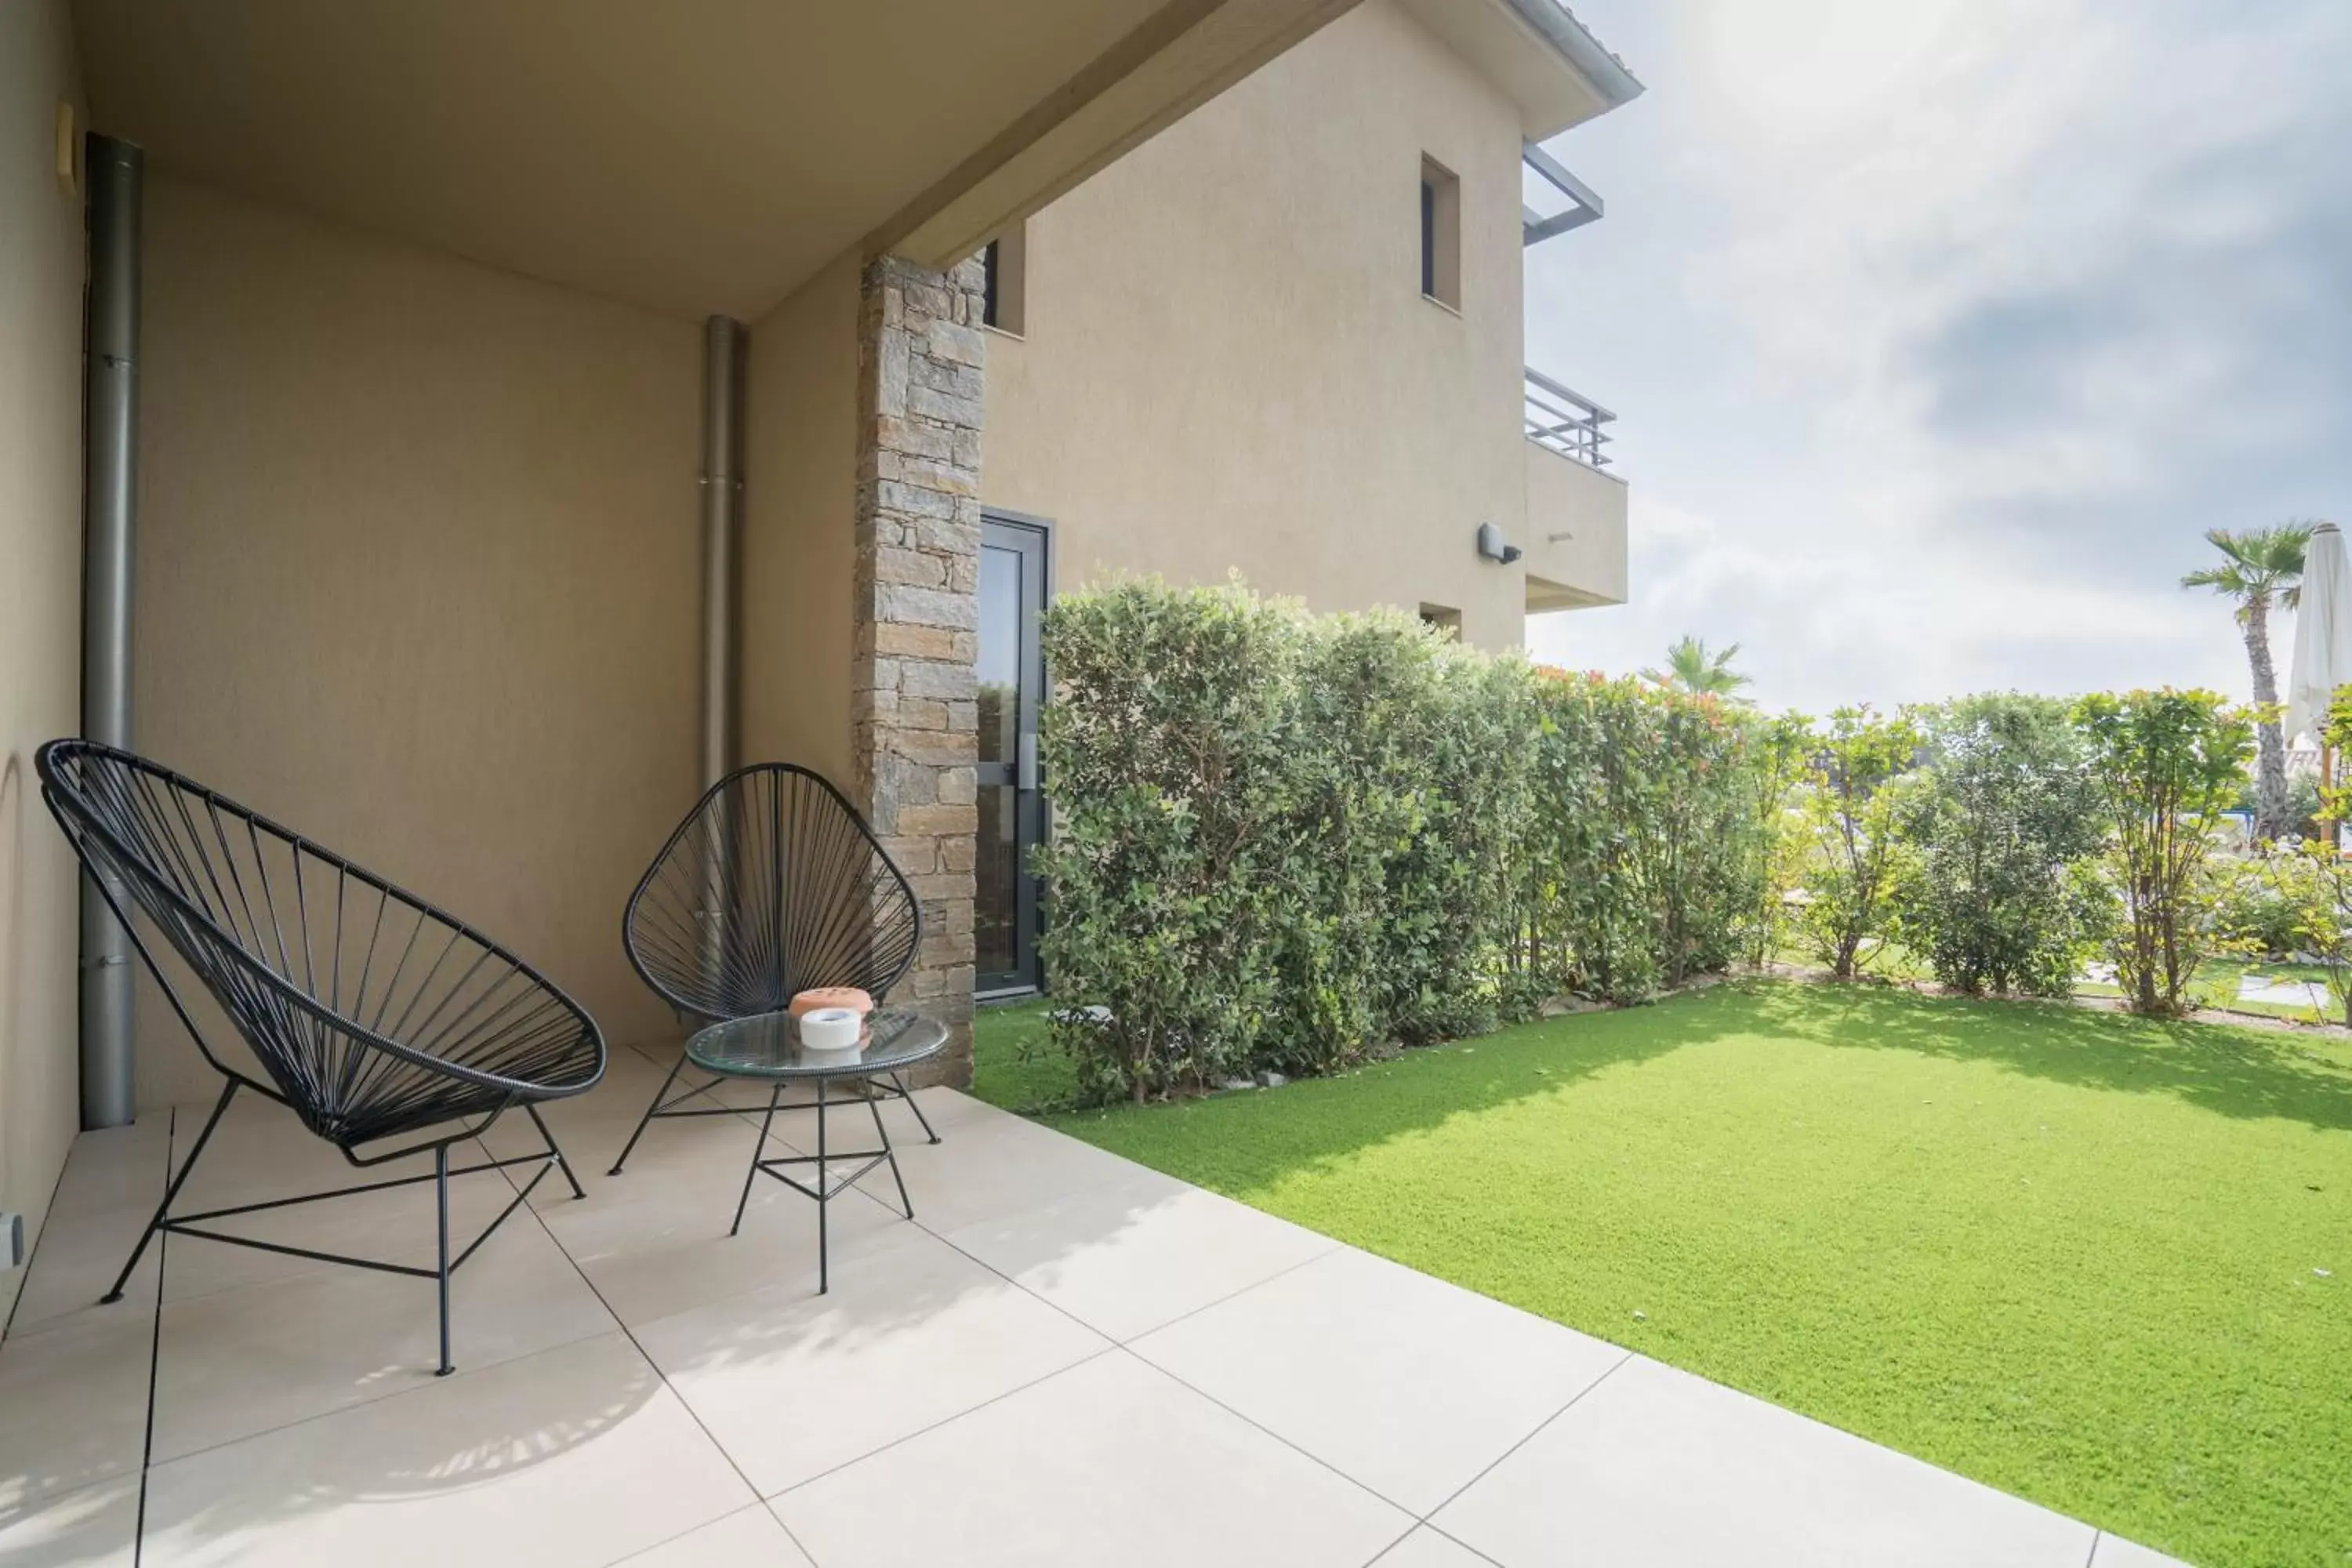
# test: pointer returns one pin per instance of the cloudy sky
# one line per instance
(1939, 330)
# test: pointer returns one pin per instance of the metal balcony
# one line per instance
(1566, 422)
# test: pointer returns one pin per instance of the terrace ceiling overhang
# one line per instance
(1549, 63)
(693, 156)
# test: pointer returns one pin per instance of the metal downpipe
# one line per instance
(110, 502)
(722, 511)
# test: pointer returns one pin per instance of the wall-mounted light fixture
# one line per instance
(1492, 545)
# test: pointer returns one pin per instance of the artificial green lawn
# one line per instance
(1014, 1062)
(2074, 1254)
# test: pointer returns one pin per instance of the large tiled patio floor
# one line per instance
(1067, 1359)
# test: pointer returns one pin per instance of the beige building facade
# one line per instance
(1224, 360)
(40, 600)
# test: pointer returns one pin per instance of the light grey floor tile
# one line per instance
(1656, 1469)
(577, 1456)
(997, 1165)
(1425, 1548)
(96, 1527)
(1111, 1462)
(113, 1181)
(655, 1241)
(1408, 1383)
(913, 1332)
(2115, 1552)
(748, 1537)
(235, 1363)
(1138, 1252)
(73, 1404)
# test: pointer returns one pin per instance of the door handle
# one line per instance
(1029, 761)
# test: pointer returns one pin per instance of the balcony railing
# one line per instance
(1566, 422)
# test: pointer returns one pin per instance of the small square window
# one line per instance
(1005, 299)
(1441, 234)
(1443, 618)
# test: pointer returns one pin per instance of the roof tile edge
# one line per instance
(1576, 42)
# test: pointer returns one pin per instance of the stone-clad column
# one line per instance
(916, 703)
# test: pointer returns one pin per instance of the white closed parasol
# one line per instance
(2323, 650)
(2323, 635)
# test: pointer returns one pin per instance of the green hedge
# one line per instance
(1281, 840)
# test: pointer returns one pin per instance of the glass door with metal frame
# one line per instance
(1011, 810)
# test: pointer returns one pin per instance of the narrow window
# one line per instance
(1443, 618)
(1441, 234)
(1428, 237)
(1005, 261)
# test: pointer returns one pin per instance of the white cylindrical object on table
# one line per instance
(830, 1029)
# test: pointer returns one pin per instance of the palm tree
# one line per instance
(1690, 666)
(2260, 567)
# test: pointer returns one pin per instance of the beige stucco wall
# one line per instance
(417, 574)
(799, 499)
(1575, 540)
(40, 604)
(1228, 363)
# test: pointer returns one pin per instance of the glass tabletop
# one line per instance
(768, 1047)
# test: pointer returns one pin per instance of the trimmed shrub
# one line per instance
(2004, 819)
(1855, 862)
(1173, 865)
(1278, 838)
(1647, 855)
(2167, 764)
(1415, 769)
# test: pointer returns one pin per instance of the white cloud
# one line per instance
(1940, 330)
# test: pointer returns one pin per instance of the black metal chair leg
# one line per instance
(759, 1152)
(883, 1132)
(823, 1195)
(441, 1193)
(913, 1105)
(556, 1151)
(228, 1092)
(647, 1119)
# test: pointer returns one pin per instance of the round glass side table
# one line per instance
(767, 1047)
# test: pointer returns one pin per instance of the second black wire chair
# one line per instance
(774, 885)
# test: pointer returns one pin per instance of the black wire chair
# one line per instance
(374, 1015)
(773, 885)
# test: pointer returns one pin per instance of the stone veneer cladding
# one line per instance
(916, 715)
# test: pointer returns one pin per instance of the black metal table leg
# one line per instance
(759, 1154)
(912, 1104)
(883, 1132)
